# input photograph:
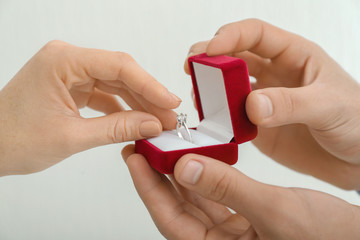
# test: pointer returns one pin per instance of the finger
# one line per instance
(107, 65)
(197, 48)
(232, 228)
(258, 37)
(165, 209)
(254, 85)
(217, 213)
(224, 184)
(272, 107)
(123, 93)
(130, 150)
(193, 98)
(114, 128)
(177, 192)
(303, 154)
(256, 65)
(266, 207)
(167, 117)
(103, 102)
(136, 101)
(127, 151)
(122, 67)
(250, 234)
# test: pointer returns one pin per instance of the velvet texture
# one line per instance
(237, 87)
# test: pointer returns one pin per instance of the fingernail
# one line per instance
(265, 106)
(150, 129)
(176, 98)
(191, 172)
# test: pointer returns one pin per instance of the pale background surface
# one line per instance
(90, 195)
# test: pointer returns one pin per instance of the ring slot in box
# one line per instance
(221, 85)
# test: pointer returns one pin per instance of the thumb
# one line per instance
(113, 128)
(271, 107)
(219, 182)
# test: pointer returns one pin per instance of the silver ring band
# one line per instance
(181, 122)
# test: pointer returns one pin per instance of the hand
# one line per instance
(306, 106)
(195, 207)
(40, 123)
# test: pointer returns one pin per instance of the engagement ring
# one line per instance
(181, 122)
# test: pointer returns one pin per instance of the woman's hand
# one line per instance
(40, 123)
(306, 106)
(194, 205)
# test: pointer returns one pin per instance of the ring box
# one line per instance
(221, 85)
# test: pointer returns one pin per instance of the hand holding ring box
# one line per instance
(221, 85)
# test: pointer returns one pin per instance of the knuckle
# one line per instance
(289, 105)
(124, 58)
(53, 53)
(119, 130)
(256, 21)
(308, 48)
(54, 46)
(222, 188)
(309, 45)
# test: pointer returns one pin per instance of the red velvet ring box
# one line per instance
(221, 85)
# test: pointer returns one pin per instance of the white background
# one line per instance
(90, 195)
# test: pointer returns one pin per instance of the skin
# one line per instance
(314, 126)
(40, 121)
(307, 109)
(183, 208)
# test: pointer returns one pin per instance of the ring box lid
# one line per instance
(221, 85)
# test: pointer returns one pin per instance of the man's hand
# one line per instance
(306, 106)
(194, 204)
(40, 122)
